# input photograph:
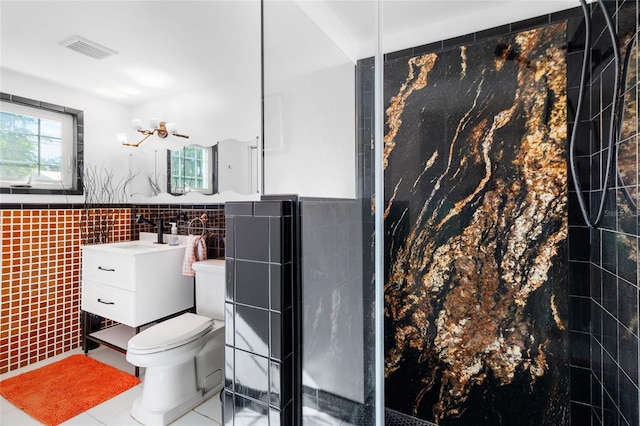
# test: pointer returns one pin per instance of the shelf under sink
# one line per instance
(118, 335)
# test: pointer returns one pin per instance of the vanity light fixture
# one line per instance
(160, 128)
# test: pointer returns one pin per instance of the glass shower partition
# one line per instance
(319, 143)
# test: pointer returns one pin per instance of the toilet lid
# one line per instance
(171, 333)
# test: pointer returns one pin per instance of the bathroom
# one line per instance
(593, 277)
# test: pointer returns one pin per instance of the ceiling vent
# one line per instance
(87, 47)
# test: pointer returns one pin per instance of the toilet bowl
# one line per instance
(177, 376)
(183, 356)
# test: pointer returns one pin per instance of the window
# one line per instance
(39, 146)
(191, 169)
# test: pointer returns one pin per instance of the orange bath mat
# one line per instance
(56, 392)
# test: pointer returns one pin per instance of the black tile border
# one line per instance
(59, 206)
(502, 30)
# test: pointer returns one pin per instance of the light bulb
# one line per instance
(171, 127)
(121, 137)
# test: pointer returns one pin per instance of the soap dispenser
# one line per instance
(173, 240)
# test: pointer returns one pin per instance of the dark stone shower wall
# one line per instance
(604, 260)
(475, 232)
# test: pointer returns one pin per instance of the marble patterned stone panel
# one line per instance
(475, 232)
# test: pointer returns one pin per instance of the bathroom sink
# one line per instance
(138, 247)
(135, 282)
(146, 244)
(135, 245)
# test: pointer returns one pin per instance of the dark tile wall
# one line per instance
(603, 266)
(365, 124)
(189, 219)
(262, 357)
(333, 351)
(603, 260)
(603, 263)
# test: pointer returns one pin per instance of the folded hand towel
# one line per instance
(196, 250)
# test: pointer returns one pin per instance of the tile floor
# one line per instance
(116, 411)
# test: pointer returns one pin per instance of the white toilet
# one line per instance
(183, 356)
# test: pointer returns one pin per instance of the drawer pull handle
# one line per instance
(106, 269)
(105, 302)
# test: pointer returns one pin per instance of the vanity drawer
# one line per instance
(109, 302)
(108, 268)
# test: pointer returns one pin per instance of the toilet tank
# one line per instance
(210, 287)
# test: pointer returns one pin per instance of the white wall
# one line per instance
(309, 116)
(206, 114)
(314, 153)
(237, 166)
(219, 94)
(309, 91)
(310, 150)
(310, 51)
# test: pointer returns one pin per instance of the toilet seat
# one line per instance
(170, 334)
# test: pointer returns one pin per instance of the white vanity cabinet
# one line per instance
(134, 283)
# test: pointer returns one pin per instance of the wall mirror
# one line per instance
(195, 63)
(229, 165)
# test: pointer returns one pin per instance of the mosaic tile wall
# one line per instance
(41, 264)
(187, 218)
(40, 301)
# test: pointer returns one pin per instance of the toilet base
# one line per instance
(150, 417)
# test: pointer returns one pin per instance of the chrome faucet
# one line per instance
(160, 225)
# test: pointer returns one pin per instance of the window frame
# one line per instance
(210, 172)
(74, 153)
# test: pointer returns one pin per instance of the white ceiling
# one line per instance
(163, 47)
(168, 46)
(410, 23)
